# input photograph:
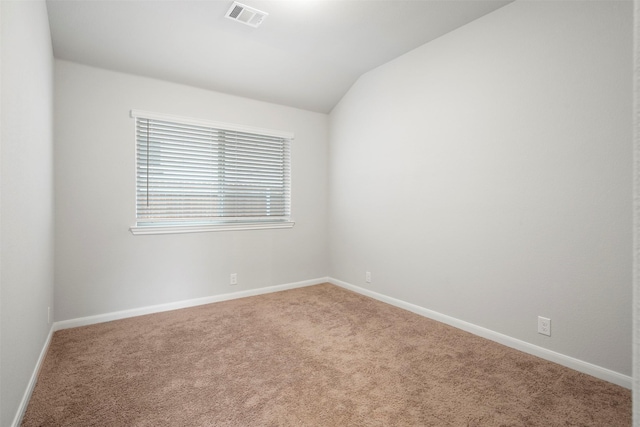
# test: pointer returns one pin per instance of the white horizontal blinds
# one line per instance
(189, 173)
(255, 175)
(177, 173)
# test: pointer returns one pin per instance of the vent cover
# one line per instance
(245, 14)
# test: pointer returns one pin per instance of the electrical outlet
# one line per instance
(544, 326)
(234, 279)
(367, 277)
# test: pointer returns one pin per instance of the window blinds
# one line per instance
(190, 173)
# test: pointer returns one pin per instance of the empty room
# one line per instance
(317, 213)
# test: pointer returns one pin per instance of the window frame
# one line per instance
(222, 224)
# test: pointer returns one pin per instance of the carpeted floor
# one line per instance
(314, 356)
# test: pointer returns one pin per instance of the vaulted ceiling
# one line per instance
(305, 54)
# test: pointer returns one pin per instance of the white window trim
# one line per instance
(149, 229)
(174, 229)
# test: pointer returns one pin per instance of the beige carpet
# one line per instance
(315, 356)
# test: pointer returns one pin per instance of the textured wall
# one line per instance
(100, 266)
(26, 196)
(636, 216)
(487, 176)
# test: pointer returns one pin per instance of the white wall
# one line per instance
(100, 266)
(26, 214)
(487, 176)
(636, 209)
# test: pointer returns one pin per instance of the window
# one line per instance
(193, 175)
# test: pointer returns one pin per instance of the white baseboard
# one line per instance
(32, 382)
(107, 317)
(561, 359)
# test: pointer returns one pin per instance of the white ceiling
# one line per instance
(306, 53)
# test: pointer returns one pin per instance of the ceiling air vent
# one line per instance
(245, 14)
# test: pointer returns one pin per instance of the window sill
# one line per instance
(203, 228)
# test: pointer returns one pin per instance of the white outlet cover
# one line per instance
(544, 326)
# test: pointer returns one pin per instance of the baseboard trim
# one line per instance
(32, 382)
(561, 359)
(107, 317)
